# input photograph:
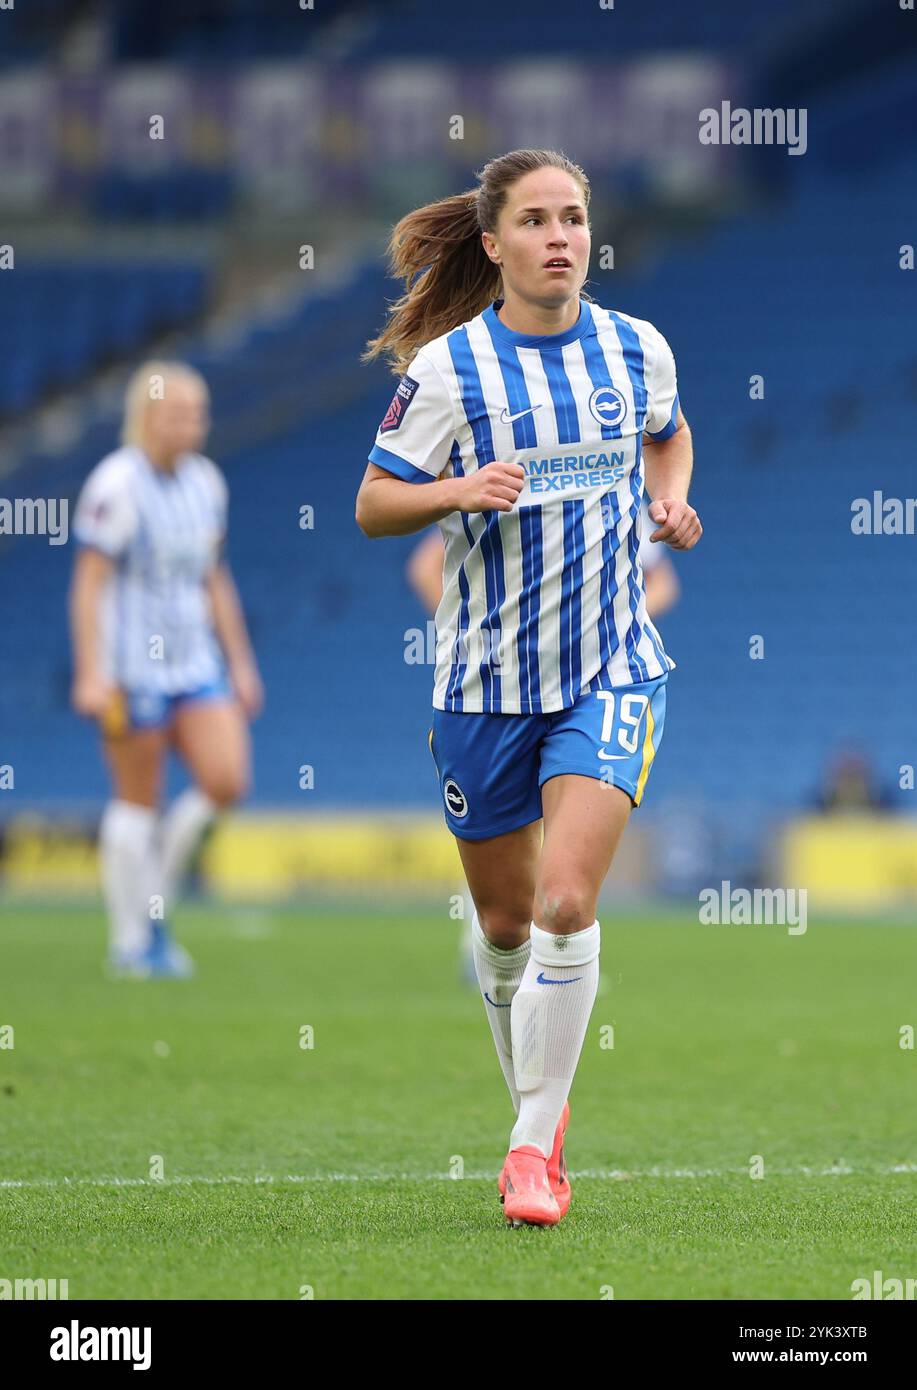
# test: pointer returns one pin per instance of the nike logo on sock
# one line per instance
(494, 1002)
(542, 981)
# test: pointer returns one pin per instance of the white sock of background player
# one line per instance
(127, 855)
(180, 834)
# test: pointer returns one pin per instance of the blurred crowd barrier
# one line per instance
(169, 141)
(864, 863)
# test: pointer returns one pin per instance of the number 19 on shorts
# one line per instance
(630, 710)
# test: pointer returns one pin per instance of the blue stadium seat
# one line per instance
(815, 304)
(60, 321)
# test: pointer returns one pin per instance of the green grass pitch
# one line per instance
(288, 1169)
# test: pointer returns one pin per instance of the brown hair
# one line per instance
(443, 240)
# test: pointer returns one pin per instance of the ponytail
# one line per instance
(437, 251)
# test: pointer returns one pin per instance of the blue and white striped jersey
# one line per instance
(544, 602)
(164, 530)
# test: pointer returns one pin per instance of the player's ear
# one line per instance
(490, 247)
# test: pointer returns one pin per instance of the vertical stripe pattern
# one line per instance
(163, 531)
(547, 601)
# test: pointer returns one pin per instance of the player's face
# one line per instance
(179, 422)
(543, 219)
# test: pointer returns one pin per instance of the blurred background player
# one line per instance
(161, 655)
(424, 571)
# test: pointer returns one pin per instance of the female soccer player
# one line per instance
(154, 612)
(524, 425)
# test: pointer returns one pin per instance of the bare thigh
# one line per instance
(211, 737)
(136, 760)
(584, 820)
(501, 874)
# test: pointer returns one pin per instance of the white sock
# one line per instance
(499, 975)
(127, 854)
(182, 827)
(549, 1022)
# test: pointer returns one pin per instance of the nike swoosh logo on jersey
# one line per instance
(508, 419)
(613, 757)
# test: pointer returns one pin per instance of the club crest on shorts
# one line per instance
(402, 398)
(455, 799)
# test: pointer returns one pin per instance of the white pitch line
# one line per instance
(600, 1174)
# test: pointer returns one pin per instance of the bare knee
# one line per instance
(564, 906)
(505, 928)
(225, 787)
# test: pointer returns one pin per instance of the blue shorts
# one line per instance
(153, 709)
(492, 766)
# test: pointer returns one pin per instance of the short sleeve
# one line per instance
(105, 516)
(414, 440)
(662, 411)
